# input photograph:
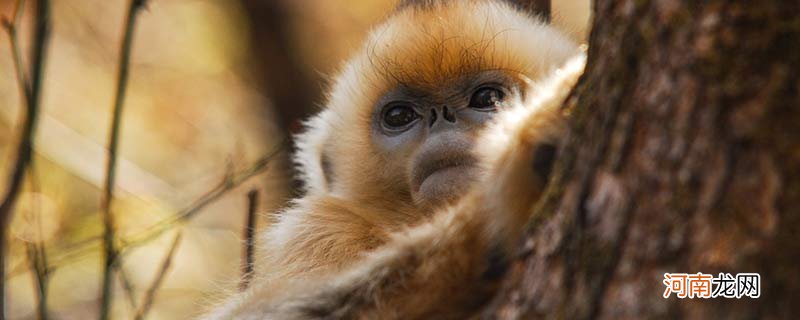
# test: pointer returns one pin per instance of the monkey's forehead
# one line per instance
(443, 40)
(434, 44)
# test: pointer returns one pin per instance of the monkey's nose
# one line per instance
(447, 114)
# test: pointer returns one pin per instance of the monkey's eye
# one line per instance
(399, 116)
(486, 98)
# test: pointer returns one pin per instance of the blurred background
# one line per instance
(215, 85)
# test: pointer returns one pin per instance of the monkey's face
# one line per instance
(403, 116)
(431, 130)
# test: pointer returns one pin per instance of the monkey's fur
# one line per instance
(365, 241)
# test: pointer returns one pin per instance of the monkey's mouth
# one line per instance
(440, 177)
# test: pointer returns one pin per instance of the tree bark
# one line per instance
(684, 157)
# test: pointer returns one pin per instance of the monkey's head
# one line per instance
(403, 115)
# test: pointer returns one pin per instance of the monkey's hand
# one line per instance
(519, 150)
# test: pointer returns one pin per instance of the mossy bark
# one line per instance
(684, 157)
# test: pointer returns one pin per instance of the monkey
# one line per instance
(434, 145)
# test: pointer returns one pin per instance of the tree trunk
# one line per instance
(684, 157)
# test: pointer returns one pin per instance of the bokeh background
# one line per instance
(215, 85)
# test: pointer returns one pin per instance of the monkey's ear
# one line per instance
(539, 8)
(327, 168)
(312, 155)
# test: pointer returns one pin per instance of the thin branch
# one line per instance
(41, 274)
(37, 251)
(127, 285)
(87, 247)
(113, 143)
(229, 183)
(249, 239)
(29, 117)
(162, 272)
(16, 50)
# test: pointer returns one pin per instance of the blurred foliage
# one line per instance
(195, 110)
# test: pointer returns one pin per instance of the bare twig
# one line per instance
(29, 117)
(109, 249)
(229, 183)
(159, 278)
(37, 251)
(249, 239)
(16, 50)
(127, 286)
(87, 247)
(38, 262)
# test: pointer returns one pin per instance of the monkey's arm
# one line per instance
(451, 265)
